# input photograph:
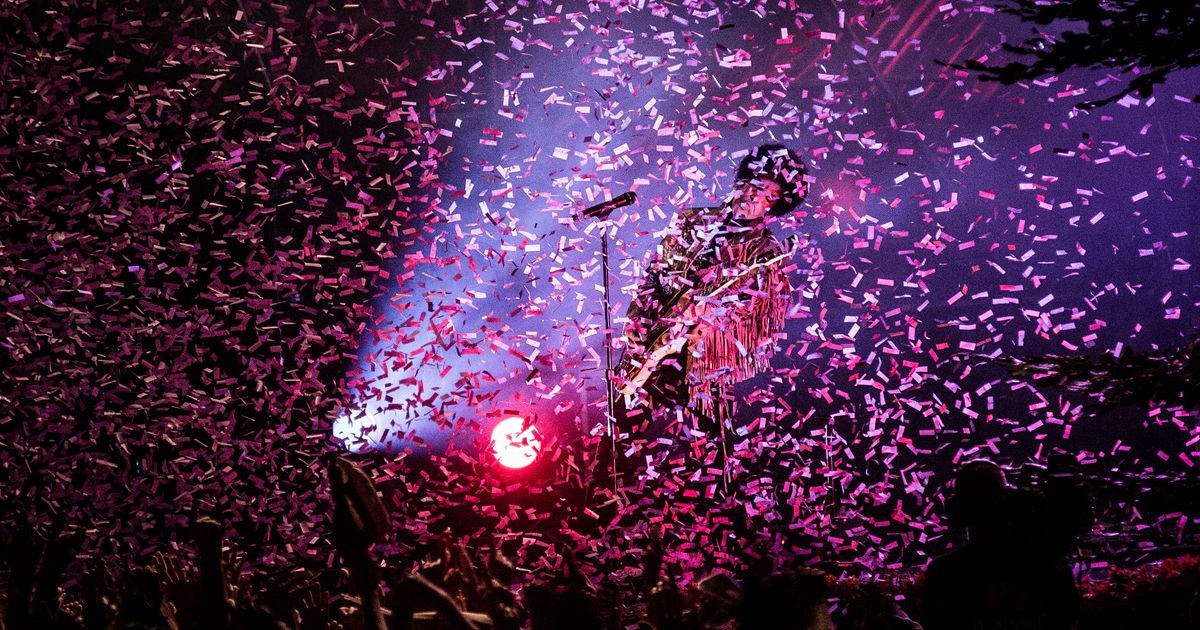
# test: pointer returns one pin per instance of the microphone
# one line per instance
(602, 210)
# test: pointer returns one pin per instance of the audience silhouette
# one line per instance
(1010, 573)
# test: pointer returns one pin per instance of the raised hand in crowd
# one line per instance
(181, 601)
(99, 603)
(311, 610)
(211, 582)
(500, 601)
(665, 604)
(454, 572)
(359, 521)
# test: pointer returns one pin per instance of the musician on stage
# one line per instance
(713, 298)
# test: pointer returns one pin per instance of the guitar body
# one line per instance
(671, 342)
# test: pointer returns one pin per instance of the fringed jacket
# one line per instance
(720, 284)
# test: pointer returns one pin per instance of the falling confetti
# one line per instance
(238, 241)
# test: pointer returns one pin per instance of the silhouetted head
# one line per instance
(799, 597)
(771, 176)
(979, 491)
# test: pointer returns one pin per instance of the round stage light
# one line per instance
(515, 444)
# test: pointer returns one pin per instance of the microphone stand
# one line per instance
(601, 213)
(610, 420)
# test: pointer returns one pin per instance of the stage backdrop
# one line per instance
(232, 232)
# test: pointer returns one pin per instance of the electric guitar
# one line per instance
(673, 339)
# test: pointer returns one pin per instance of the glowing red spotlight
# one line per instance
(515, 443)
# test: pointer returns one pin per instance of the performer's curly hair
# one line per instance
(778, 163)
